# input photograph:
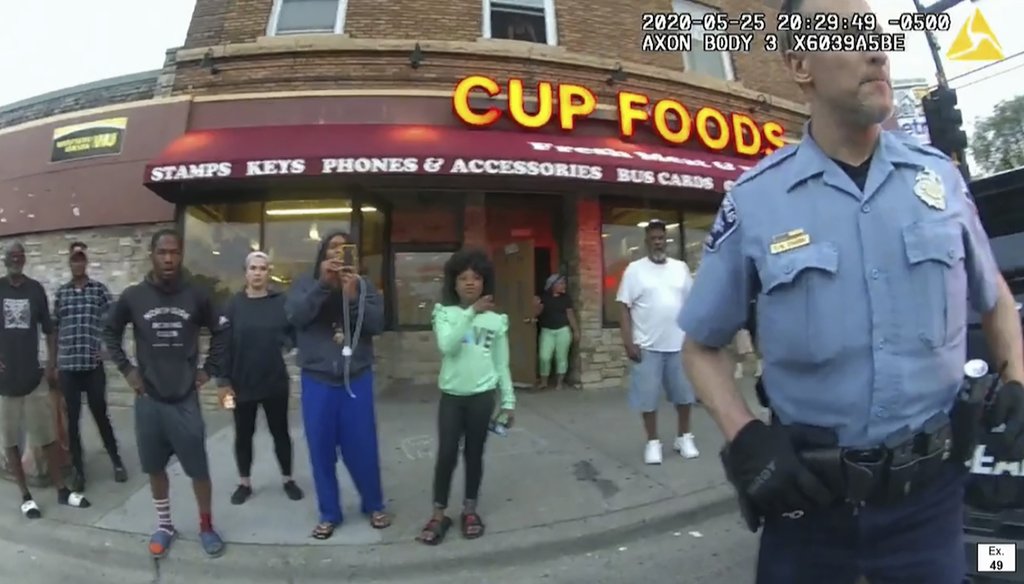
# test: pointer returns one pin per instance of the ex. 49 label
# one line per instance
(997, 557)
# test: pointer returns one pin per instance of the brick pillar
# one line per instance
(569, 262)
(588, 280)
(475, 221)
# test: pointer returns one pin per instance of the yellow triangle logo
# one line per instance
(975, 41)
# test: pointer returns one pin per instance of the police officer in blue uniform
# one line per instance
(861, 250)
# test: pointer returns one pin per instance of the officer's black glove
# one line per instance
(1007, 408)
(764, 466)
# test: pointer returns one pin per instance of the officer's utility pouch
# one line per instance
(903, 464)
(916, 463)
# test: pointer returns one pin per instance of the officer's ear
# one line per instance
(798, 65)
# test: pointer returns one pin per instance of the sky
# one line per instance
(52, 44)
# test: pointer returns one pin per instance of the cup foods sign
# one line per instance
(564, 104)
(628, 167)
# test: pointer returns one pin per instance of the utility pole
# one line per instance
(944, 92)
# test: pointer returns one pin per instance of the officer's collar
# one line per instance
(811, 161)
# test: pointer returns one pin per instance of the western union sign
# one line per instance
(99, 138)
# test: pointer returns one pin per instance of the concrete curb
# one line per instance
(125, 553)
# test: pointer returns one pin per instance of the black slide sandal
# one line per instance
(472, 526)
(437, 529)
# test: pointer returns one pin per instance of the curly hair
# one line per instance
(462, 260)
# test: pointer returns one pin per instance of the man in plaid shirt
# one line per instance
(80, 308)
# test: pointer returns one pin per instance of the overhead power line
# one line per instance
(987, 77)
(986, 66)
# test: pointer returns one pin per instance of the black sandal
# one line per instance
(437, 529)
(323, 531)
(472, 526)
(380, 520)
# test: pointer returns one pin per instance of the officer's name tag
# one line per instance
(788, 241)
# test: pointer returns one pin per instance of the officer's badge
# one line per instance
(725, 224)
(928, 187)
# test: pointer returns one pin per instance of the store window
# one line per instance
(307, 17)
(521, 20)
(371, 245)
(622, 239)
(425, 230)
(695, 231)
(217, 239)
(293, 229)
(711, 63)
(419, 279)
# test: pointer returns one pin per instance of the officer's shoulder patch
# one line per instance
(725, 224)
(768, 162)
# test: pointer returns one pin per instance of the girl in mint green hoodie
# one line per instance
(474, 378)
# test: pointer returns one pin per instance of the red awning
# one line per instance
(393, 150)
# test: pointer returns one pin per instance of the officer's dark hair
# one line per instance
(77, 245)
(466, 259)
(164, 232)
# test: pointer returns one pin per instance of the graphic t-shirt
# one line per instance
(655, 294)
(25, 310)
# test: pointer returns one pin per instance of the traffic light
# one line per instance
(944, 121)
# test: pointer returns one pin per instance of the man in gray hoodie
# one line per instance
(336, 314)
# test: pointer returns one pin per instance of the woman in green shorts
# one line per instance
(558, 331)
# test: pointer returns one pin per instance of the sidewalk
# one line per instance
(570, 474)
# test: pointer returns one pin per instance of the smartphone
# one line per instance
(498, 425)
(349, 256)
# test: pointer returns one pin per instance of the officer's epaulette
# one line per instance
(771, 161)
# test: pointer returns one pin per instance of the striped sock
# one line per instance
(163, 514)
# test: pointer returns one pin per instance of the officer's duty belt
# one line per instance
(905, 464)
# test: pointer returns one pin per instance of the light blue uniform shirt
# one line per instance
(862, 300)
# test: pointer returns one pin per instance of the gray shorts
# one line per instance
(163, 430)
(658, 370)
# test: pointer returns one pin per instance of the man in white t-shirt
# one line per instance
(651, 294)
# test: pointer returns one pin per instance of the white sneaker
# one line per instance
(652, 452)
(685, 445)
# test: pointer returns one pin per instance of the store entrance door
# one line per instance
(513, 295)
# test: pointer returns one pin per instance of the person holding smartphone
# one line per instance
(336, 313)
(475, 374)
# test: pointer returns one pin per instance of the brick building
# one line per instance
(536, 128)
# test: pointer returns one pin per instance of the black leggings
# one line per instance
(461, 416)
(275, 410)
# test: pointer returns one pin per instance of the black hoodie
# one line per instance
(259, 331)
(315, 309)
(166, 323)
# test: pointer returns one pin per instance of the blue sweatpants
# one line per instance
(334, 421)
(917, 540)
